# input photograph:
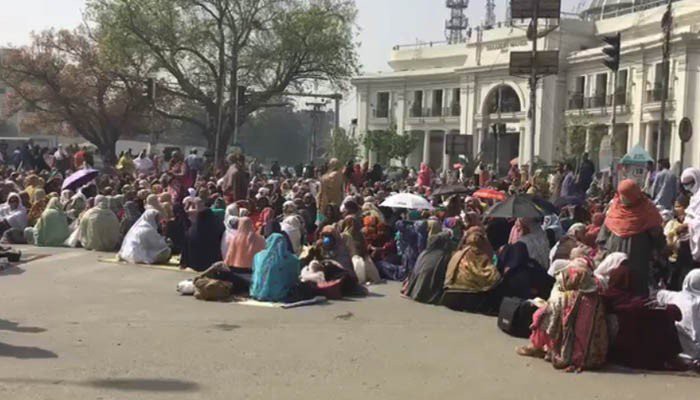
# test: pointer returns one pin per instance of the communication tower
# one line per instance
(457, 24)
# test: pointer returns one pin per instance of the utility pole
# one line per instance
(532, 32)
(667, 28)
(315, 127)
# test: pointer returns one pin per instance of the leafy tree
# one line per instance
(280, 134)
(203, 51)
(389, 145)
(343, 146)
(64, 83)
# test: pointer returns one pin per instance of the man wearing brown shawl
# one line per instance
(236, 179)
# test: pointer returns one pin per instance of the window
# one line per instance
(601, 90)
(576, 99)
(656, 93)
(455, 107)
(437, 102)
(417, 106)
(621, 87)
(382, 105)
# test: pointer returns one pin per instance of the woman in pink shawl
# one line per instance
(244, 245)
(423, 176)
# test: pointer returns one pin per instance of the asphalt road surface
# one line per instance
(74, 328)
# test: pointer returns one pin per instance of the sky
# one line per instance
(382, 23)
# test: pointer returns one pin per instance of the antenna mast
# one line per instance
(458, 22)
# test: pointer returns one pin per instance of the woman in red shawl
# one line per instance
(633, 226)
(423, 176)
(593, 229)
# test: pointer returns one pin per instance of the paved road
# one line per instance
(74, 328)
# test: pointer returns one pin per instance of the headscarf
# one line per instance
(434, 228)
(143, 243)
(291, 225)
(17, 218)
(131, 215)
(693, 210)
(688, 301)
(99, 227)
(471, 269)
(230, 224)
(276, 271)
(631, 212)
(65, 197)
(244, 245)
(153, 203)
(52, 227)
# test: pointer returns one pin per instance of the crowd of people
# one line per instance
(611, 274)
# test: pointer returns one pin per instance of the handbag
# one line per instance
(515, 316)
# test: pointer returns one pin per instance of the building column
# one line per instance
(400, 112)
(363, 116)
(649, 138)
(636, 100)
(426, 147)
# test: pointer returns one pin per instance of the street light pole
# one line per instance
(667, 27)
(533, 87)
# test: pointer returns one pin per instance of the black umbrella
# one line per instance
(517, 206)
(450, 190)
(547, 207)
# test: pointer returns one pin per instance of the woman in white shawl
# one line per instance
(691, 182)
(13, 215)
(293, 228)
(688, 301)
(143, 244)
(231, 224)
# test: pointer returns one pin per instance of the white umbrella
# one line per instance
(407, 200)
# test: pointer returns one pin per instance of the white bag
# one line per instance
(186, 287)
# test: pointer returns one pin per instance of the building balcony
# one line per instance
(381, 113)
(656, 95)
(597, 105)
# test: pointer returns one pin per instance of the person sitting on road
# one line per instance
(52, 228)
(143, 244)
(99, 228)
(275, 271)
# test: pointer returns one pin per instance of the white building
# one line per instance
(436, 89)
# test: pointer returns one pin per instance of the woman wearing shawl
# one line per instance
(13, 215)
(76, 205)
(275, 271)
(116, 204)
(427, 280)
(51, 230)
(331, 191)
(424, 176)
(65, 198)
(143, 244)
(641, 336)
(471, 280)
(593, 229)
(293, 228)
(40, 202)
(152, 203)
(177, 227)
(99, 227)
(219, 208)
(691, 183)
(571, 328)
(536, 241)
(688, 301)
(633, 226)
(166, 202)
(203, 239)
(244, 245)
(231, 217)
(131, 215)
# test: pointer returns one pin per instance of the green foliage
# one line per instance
(342, 146)
(203, 50)
(573, 142)
(389, 145)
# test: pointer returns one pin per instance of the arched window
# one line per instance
(502, 99)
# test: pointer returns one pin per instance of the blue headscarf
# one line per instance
(275, 271)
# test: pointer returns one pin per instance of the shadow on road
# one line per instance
(123, 384)
(6, 325)
(23, 352)
(144, 385)
(13, 270)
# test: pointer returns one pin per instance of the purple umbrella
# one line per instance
(79, 178)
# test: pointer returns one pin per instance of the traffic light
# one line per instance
(612, 52)
(149, 90)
